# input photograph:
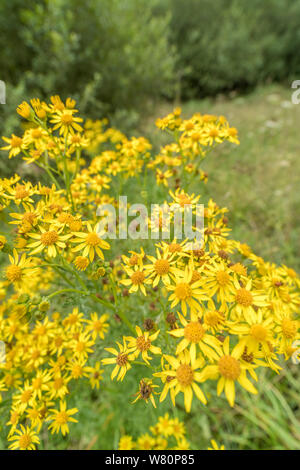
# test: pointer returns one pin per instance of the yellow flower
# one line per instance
(142, 344)
(121, 360)
(194, 333)
(15, 145)
(182, 377)
(61, 418)
(50, 241)
(229, 369)
(25, 439)
(19, 268)
(66, 122)
(97, 326)
(90, 243)
(185, 292)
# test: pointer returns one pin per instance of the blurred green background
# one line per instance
(132, 61)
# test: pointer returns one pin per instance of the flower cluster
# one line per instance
(192, 318)
(167, 434)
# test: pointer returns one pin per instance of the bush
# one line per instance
(110, 55)
(224, 45)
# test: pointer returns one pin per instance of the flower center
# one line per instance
(93, 239)
(223, 278)
(25, 441)
(67, 119)
(49, 238)
(21, 192)
(194, 332)
(61, 417)
(173, 247)
(26, 395)
(289, 328)
(229, 367)
(133, 260)
(244, 297)
(13, 273)
(162, 266)
(185, 375)
(122, 359)
(183, 291)
(16, 142)
(142, 344)
(137, 277)
(258, 332)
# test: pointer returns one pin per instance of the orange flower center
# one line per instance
(13, 273)
(185, 375)
(93, 239)
(194, 332)
(137, 277)
(142, 344)
(258, 332)
(25, 441)
(229, 367)
(244, 297)
(122, 359)
(183, 291)
(61, 417)
(162, 266)
(49, 238)
(21, 192)
(223, 278)
(16, 142)
(289, 328)
(67, 119)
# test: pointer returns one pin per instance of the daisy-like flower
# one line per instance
(186, 293)
(142, 344)
(213, 319)
(246, 299)
(182, 377)
(19, 268)
(25, 438)
(81, 345)
(15, 145)
(97, 326)
(287, 331)
(50, 241)
(90, 243)
(66, 122)
(255, 334)
(194, 333)
(121, 360)
(162, 268)
(219, 280)
(137, 280)
(229, 369)
(60, 419)
(146, 391)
